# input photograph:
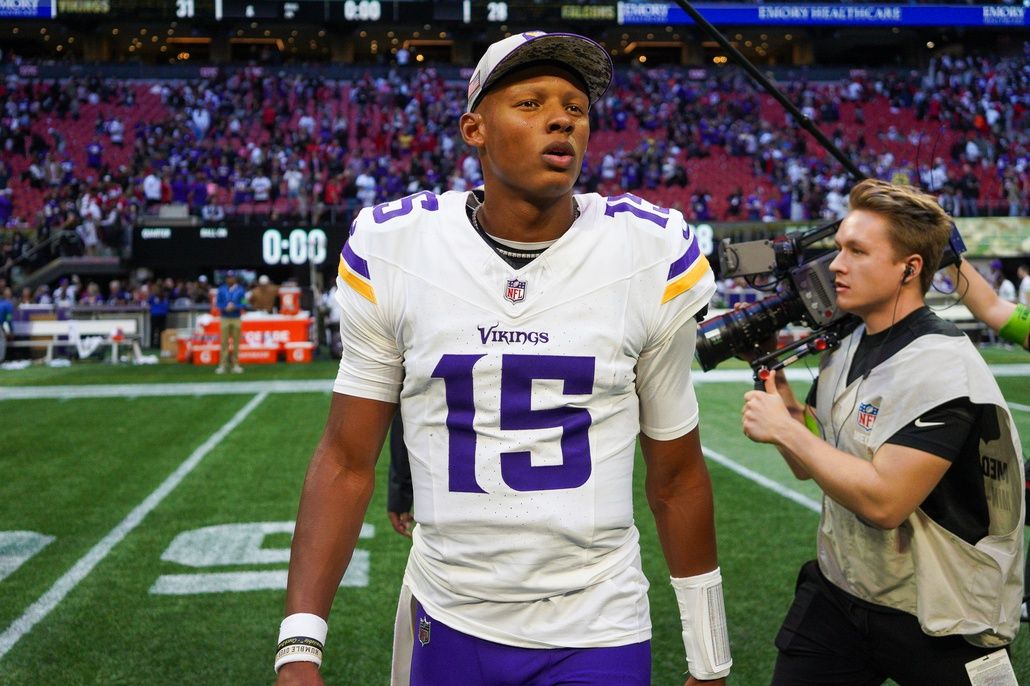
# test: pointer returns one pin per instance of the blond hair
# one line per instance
(916, 223)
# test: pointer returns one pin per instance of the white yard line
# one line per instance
(326, 386)
(1019, 406)
(804, 374)
(761, 480)
(163, 389)
(50, 600)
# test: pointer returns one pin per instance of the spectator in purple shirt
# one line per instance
(94, 155)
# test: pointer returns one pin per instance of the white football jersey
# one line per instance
(522, 393)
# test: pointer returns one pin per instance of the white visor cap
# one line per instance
(580, 54)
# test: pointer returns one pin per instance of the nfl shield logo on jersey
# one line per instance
(867, 415)
(515, 292)
(423, 630)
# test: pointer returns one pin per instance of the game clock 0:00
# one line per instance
(298, 247)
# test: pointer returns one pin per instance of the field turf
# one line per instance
(154, 529)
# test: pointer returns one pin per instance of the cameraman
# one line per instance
(921, 538)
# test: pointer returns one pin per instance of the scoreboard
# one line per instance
(367, 11)
(305, 10)
(526, 12)
(312, 11)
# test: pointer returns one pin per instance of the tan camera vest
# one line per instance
(952, 587)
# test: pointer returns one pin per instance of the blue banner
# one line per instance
(28, 9)
(666, 13)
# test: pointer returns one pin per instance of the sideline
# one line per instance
(163, 389)
(326, 386)
(50, 600)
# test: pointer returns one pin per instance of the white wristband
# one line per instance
(703, 615)
(298, 653)
(312, 629)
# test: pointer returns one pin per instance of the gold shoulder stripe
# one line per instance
(357, 283)
(685, 282)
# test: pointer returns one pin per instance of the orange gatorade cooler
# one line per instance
(289, 300)
(299, 352)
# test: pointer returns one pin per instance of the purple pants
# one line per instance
(443, 656)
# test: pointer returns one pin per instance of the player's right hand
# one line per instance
(299, 674)
(402, 522)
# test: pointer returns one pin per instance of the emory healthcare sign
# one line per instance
(28, 9)
(833, 15)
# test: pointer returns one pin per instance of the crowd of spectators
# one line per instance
(250, 141)
(138, 290)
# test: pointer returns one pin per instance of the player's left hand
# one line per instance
(402, 522)
(764, 413)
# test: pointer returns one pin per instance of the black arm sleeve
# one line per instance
(399, 497)
(812, 392)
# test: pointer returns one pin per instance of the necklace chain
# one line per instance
(500, 248)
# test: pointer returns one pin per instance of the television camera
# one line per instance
(804, 290)
(799, 274)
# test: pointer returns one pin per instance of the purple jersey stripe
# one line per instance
(683, 263)
(359, 265)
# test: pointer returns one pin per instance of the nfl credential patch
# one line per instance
(867, 415)
(515, 292)
(424, 625)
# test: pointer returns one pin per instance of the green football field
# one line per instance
(146, 513)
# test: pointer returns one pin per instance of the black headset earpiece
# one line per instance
(908, 272)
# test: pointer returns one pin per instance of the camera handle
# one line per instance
(820, 340)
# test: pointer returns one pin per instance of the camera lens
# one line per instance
(740, 331)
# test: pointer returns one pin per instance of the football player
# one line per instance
(529, 335)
